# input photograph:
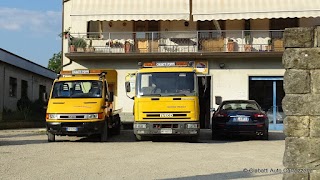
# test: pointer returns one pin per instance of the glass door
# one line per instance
(268, 92)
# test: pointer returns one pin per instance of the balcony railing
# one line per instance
(177, 41)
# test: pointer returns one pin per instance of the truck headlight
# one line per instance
(192, 126)
(53, 116)
(92, 116)
(140, 126)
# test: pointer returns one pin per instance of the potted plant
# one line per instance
(247, 46)
(269, 46)
(90, 48)
(66, 33)
(230, 45)
(127, 46)
(79, 43)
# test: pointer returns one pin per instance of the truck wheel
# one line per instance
(214, 136)
(51, 137)
(104, 133)
(194, 139)
(117, 128)
(141, 138)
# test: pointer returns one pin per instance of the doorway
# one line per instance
(204, 86)
(268, 92)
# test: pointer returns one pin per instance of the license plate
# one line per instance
(72, 129)
(240, 119)
(166, 131)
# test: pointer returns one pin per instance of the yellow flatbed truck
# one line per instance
(166, 100)
(81, 104)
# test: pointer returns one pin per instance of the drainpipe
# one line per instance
(62, 55)
(3, 92)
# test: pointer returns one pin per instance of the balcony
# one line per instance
(176, 42)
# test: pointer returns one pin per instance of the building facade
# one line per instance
(21, 78)
(240, 42)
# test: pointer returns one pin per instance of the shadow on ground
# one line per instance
(227, 176)
(125, 136)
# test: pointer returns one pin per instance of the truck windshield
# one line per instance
(77, 89)
(166, 84)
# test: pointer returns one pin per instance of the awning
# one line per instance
(114, 10)
(253, 9)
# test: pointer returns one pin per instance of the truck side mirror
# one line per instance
(218, 100)
(110, 97)
(45, 97)
(128, 88)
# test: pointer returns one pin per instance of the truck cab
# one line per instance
(81, 104)
(165, 100)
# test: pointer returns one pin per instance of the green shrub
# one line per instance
(79, 42)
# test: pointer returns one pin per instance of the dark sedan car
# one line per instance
(240, 117)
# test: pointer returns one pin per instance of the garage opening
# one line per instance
(204, 86)
(268, 92)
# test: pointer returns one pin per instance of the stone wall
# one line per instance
(301, 103)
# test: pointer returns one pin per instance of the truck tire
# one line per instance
(117, 127)
(104, 133)
(51, 137)
(140, 138)
(194, 139)
(214, 136)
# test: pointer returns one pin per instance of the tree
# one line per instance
(55, 62)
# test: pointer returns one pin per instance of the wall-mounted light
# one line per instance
(124, 23)
(186, 23)
(110, 24)
(222, 65)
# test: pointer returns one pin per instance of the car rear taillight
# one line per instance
(259, 115)
(221, 115)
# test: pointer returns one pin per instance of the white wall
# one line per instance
(232, 82)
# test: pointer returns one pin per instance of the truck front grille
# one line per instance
(72, 116)
(166, 115)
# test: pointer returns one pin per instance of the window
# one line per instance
(13, 87)
(42, 89)
(211, 29)
(94, 29)
(281, 24)
(24, 89)
(146, 26)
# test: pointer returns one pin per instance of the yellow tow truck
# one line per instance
(166, 101)
(81, 104)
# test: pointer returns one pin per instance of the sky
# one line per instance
(31, 28)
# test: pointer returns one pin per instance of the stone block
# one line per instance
(315, 81)
(296, 81)
(296, 104)
(317, 33)
(313, 161)
(296, 153)
(295, 176)
(315, 175)
(315, 126)
(301, 58)
(301, 104)
(314, 105)
(302, 153)
(296, 126)
(301, 37)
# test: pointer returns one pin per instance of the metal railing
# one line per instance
(177, 41)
